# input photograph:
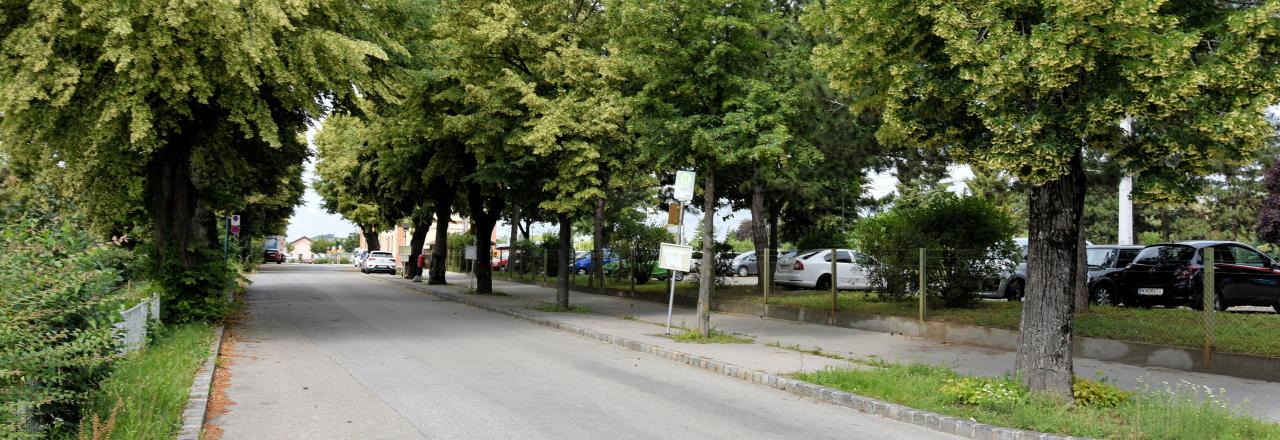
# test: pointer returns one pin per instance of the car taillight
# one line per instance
(1189, 272)
(798, 265)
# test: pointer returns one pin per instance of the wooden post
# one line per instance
(921, 295)
(1208, 308)
(544, 265)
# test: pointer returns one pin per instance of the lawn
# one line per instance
(150, 386)
(1247, 333)
(1150, 414)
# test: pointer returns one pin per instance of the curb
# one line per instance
(925, 419)
(198, 398)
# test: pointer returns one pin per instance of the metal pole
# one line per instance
(671, 300)
(922, 284)
(834, 298)
(226, 238)
(1208, 308)
(767, 282)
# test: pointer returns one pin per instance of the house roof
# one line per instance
(300, 239)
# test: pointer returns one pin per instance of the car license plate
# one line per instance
(1147, 291)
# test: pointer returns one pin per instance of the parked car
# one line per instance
(582, 261)
(358, 256)
(499, 264)
(379, 261)
(1013, 284)
(662, 274)
(724, 263)
(812, 269)
(1106, 265)
(1172, 274)
(273, 256)
(745, 264)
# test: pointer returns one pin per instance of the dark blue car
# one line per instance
(582, 262)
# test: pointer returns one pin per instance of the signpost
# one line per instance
(677, 257)
(235, 224)
(470, 254)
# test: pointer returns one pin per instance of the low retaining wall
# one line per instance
(1132, 353)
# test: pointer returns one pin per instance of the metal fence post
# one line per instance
(834, 298)
(544, 265)
(1208, 308)
(922, 284)
(767, 282)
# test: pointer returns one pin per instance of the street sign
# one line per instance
(673, 213)
(235, 229)
(470, 252)
(235, 220)
(684, 186)
(675, 257)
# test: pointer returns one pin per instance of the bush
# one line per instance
(986, 392)
(967, 240)
(56, 311)
(1097, 394)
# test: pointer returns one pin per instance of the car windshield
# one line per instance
(1098, 257)
(381, 255)
(1165, 254)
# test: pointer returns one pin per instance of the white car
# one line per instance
(379, 261)
(357, 258)
(811, 269)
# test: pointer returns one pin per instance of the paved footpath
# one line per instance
(1261, 398)
(329, 353)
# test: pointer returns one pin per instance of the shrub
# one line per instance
(986, 392)
(55, 322)
(1097, 394)
(967, 240)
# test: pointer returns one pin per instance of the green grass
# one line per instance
(1246, 333)
(556, 308)
(151, 386)
(716, 337)
(816, 351)
(1151, 414)
(630, 317)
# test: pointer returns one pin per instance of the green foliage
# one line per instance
(988, 392)
(1097, 394)
(56, 312)
(1173, 413)
(967, 240)
(715, 336)
(151, 386)
(635, 244)
(322, 245)
(556, 308)
(195, 293)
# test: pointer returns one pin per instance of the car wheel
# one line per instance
(1014, 291)
(679, 276)
(824, 283)
(742, 271)
(1219, 304)
(1104, 295)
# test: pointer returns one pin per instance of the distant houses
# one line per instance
(300, 249)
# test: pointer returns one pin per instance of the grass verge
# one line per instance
(1179, 412)
(1244, 333)
(151, 386)
(716, 337)
(556, 308)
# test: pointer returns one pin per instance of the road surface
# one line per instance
(328, 353)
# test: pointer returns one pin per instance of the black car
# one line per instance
(1172, 274)
(1106, 263)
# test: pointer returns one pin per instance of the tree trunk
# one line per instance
(515, 237)
(597, 246)
(440, 251)
(562, 258)
(1082, 274)
(707, 270)
(370, 238)
(485, 212)
(1044, 344)
(420, 228)
(185, 230)
(759, 232)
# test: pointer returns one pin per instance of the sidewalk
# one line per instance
(1258, 397)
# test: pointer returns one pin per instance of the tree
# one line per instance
(701, 97)
(340, 171)
(1026, 88)
(182, 114)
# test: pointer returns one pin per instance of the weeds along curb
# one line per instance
(198, 398)
(925, 419)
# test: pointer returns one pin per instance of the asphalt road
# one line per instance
(328, 353)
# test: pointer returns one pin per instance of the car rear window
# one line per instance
(1165, 254)
(381, 254)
